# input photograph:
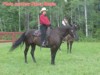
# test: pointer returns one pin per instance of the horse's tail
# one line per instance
(18, 42)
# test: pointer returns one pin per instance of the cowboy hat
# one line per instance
(43, 9)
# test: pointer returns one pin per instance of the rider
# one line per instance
(65, 22)
(44, 24)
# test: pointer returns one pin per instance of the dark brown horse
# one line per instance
(54, 41)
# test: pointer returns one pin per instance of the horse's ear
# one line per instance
(77, 26)
(70, 25)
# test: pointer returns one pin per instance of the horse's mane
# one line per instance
(63, 28)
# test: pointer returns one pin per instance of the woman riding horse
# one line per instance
(45, 23)
(54, 41)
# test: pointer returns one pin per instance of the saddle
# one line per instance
(38, 32)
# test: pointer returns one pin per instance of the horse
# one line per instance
(54, 41)
(69, 39)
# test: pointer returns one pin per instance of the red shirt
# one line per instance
(44, 20)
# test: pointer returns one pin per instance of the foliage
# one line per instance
(72, 9)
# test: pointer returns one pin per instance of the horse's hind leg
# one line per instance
(71, 42)
(67, 47)
(25, 52)
(32, 51)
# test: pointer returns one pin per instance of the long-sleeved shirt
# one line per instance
(44, 20)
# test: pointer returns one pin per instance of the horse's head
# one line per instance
(74, 29)
(71, 32)
(68, 30)
(65, 30)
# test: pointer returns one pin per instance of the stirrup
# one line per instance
(43, 44)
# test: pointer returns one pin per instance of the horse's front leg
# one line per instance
(53, 54)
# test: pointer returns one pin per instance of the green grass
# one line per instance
(84, 60)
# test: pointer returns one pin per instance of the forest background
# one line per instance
(85, 13)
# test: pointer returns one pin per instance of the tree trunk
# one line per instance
(26, 19)
(1, 29)
(86, 26)
(19, 17)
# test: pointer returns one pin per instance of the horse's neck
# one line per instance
(62, 32)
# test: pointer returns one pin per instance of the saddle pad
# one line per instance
(37, 33)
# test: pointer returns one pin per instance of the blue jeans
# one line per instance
(43, 29)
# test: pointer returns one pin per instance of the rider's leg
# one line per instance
(43, 34)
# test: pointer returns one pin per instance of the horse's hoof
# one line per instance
(52, 63)
(26, 62)
(34, 61)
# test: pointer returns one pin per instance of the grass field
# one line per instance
(84, 60)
